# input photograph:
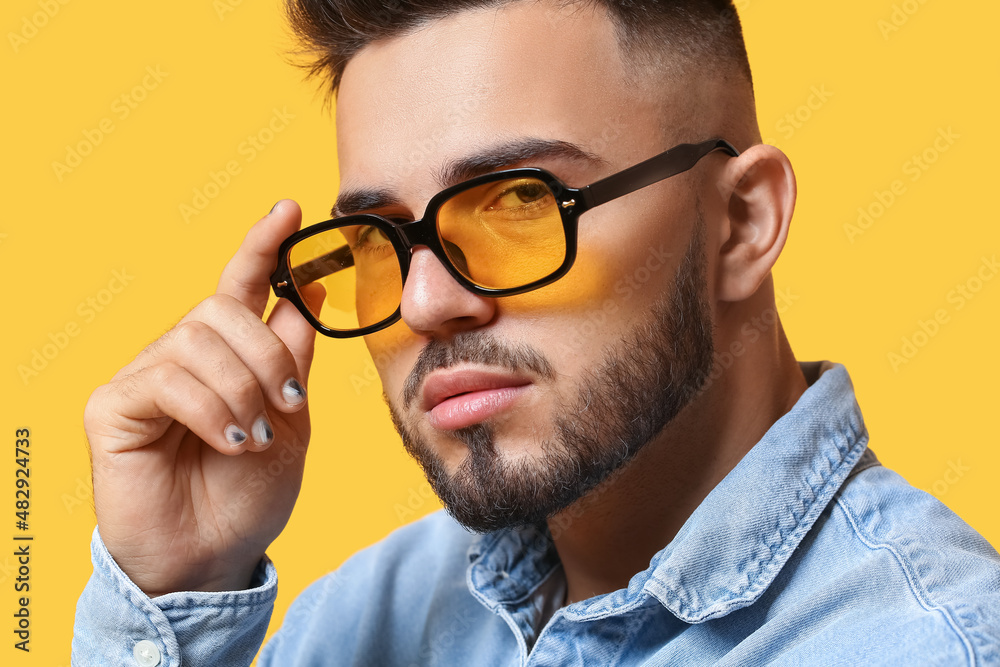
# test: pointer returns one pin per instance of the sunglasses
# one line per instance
(499, 234)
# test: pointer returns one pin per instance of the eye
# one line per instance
(520, 193)
(370, 237)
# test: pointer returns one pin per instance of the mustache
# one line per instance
(477, 348)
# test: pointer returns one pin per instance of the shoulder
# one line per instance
(919, 563)
(891, 518)
(424, 551)
(371, 604)
(432, 547)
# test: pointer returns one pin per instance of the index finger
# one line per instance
(247, 275)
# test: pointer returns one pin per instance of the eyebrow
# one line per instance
(462, 169)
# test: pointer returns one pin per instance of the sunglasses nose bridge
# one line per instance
(417, 232)
(423, 232)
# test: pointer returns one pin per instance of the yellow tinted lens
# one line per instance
(503, 234)
(358, 268)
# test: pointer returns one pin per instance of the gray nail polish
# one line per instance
(235, 435)
(262, 433)
(293, 392)
(274, 207)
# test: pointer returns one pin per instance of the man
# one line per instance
(546, 344)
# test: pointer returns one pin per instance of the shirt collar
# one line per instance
(735, 543)
(733, 546)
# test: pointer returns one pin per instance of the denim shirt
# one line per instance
(808, 552)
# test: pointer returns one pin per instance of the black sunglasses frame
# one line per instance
(572, 202)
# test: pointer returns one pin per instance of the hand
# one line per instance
(198, 445)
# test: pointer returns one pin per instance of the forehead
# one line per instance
(482, 77)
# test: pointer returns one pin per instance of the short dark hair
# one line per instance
(702, 32)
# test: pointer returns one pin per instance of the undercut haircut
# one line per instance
(705, 34)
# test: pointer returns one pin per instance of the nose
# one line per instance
(435, 305)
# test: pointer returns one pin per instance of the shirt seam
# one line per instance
(788, 540)
(251, 599)
(912, 580)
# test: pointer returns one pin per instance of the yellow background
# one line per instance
(885, 97)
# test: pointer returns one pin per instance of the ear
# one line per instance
(760, 185)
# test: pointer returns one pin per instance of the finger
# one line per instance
(138, 409)
(246, 276)
(294, 330)
(207, 356)
(221, 326)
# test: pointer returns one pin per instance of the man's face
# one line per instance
(517, 406)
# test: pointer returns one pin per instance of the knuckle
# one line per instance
(225, 310)
(190, 333)
(202, 403)
(273, 352)
(162, 375)
(245, 390)
(218, 305)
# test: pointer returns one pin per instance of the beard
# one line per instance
(640, 384)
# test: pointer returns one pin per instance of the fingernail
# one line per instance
(235, 435)
(274, 207)
(262, 433)
(293, 392)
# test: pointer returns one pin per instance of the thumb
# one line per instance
(247, 275)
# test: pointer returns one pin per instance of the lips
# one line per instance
(455, 399)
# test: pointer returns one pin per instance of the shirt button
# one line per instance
(146, 654)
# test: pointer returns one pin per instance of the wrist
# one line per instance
(226, 583)
(158, 577)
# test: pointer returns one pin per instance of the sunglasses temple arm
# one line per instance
(322, 266)
(670, 163)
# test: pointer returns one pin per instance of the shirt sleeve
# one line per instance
(119, 625)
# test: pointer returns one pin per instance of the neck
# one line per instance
(612, 533)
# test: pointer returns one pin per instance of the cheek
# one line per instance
(394, 351)
(613, 273)
(589, 281)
